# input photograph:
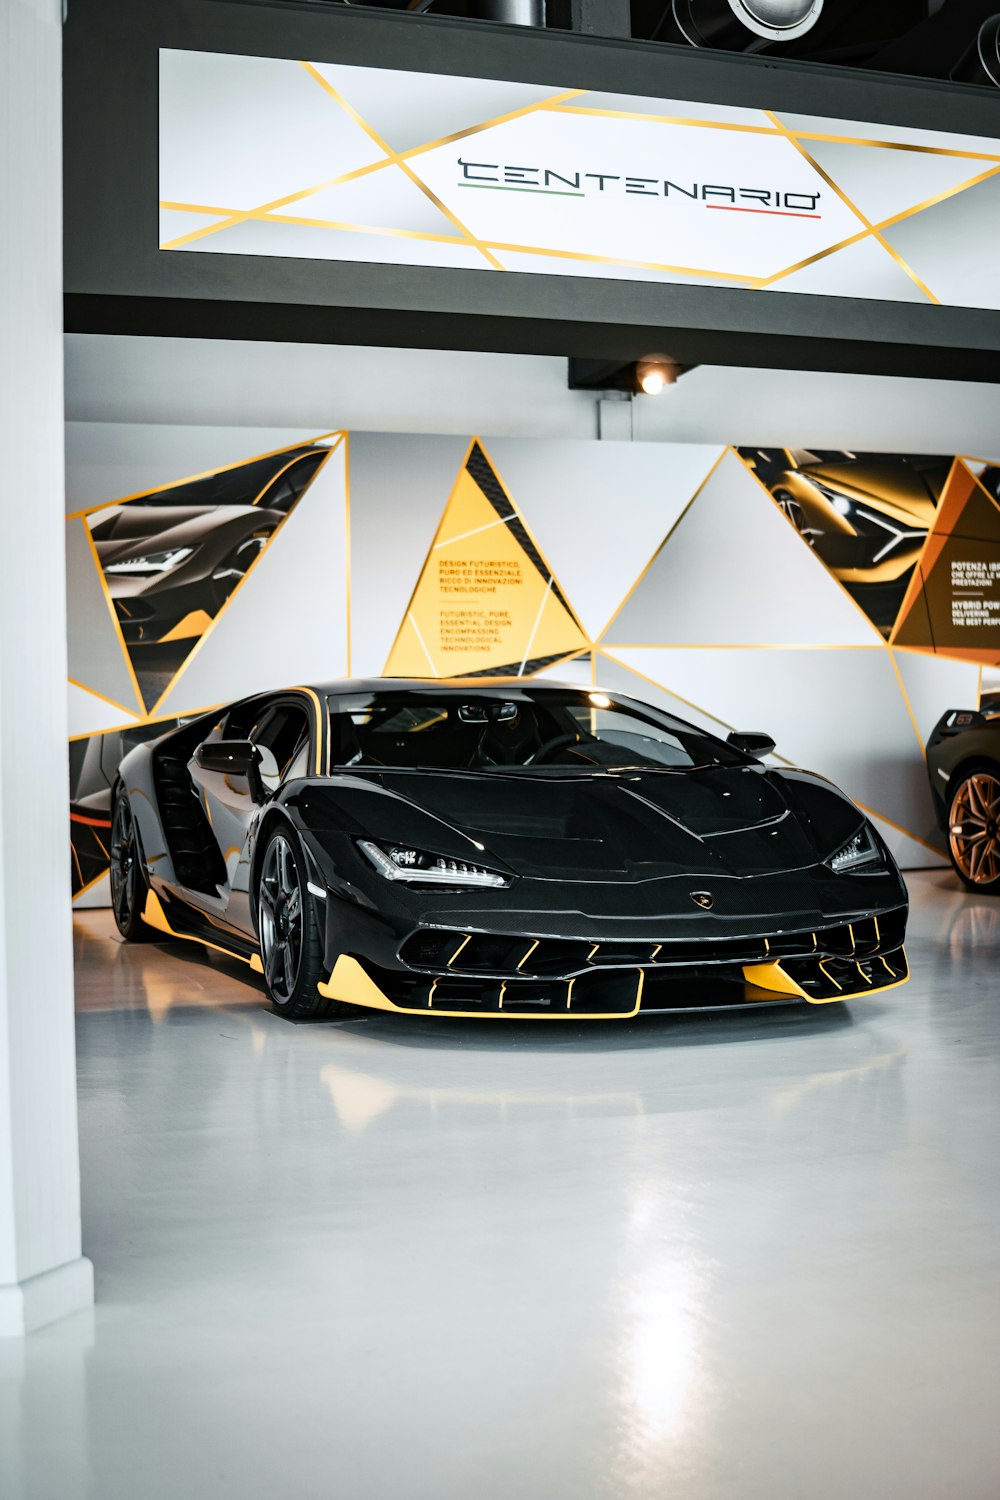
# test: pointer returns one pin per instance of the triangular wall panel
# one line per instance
(172, 560)
(283, 132)
(486, 599)
(387, 199)
(600, 510)
(422, 108)
(883, 182)
(763, 585)
(89, 713)
(97, 658)
(801, 698)
(952, 605)
(296, 593)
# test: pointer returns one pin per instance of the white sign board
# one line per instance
(268, 156)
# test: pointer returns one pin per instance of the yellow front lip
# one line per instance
(350, 984)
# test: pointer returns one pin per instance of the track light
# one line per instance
(744, 25)
(654, 373)
(980, 62)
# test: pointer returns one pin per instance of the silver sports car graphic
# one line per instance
(171, 559)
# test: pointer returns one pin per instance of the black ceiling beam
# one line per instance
(117, 280)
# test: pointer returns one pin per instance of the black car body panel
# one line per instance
(961, 739)
(618, 888)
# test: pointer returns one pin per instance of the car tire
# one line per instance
(974, 827)
(291, 946)
(129, 886)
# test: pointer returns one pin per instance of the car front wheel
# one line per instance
(974, 829)
(291, 949)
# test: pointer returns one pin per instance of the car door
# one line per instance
(280, 728)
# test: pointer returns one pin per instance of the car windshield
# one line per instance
(556, 731)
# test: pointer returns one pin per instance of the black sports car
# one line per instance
(963, 762)
(500, 849)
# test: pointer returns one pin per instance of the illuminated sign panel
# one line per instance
(273, 157)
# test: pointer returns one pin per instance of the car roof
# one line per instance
(435, 685)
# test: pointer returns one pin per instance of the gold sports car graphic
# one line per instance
(865, 514)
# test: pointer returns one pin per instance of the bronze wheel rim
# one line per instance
(974, 829)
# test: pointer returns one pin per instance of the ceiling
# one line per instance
(921, 38)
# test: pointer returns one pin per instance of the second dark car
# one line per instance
(963, 762)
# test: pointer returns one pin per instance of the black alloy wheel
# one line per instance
(128, 883)
(291, 948)
(974, 829)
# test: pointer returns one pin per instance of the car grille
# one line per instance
(449, 951)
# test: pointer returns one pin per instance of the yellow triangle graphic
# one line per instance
(486, 598)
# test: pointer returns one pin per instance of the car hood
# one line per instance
(912, 491)
(630, 826)
(136, 529)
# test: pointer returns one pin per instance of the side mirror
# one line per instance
(233, 758)
(751, 743)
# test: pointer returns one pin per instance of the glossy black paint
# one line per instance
(961, 739)
(602, 857)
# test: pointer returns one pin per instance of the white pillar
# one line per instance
(42, 1273)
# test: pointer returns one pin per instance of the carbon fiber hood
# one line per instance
(630, 826)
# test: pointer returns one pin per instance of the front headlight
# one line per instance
(152, 562)
(840, 503)
(861, 852)
(417, 867)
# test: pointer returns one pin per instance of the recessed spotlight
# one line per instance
(654, 373)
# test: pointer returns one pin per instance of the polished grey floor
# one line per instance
(710, 1257)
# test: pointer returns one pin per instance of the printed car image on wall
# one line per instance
(866, 515)
(172, 558)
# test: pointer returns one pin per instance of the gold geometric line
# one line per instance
(198, 208)
(611, 260)
(423, 644)
(907, 213)
(856, 211)
(631, 114)
(604, 651)
(567, 603)
(872, 813)
(397, 160)
(852, 140)
(274, 479)
(918, 565)
(353, 228)
(979, 689)
(906, 700)
(880, 639)
(602, 633)
(90, 883)
(810, 260)
(426, 563)
(104, 699)
(737, 646)
(347, 540)
(228, 601)
(205, 474)
(265, 216)
(113, 613)
(192, 713)
(238, 216)
(981, 486)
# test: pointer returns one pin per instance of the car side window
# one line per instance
(281, 736)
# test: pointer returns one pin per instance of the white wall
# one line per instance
(41, 1271)
(211, 382)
